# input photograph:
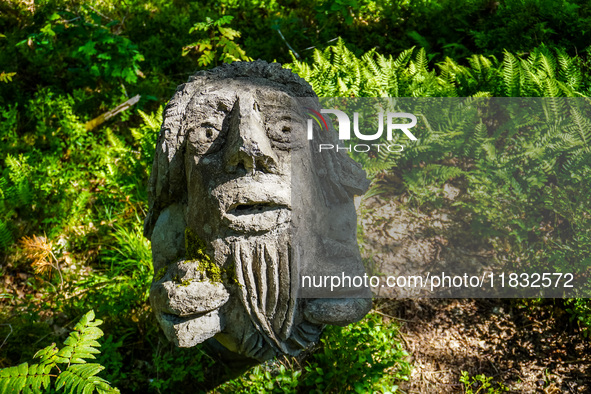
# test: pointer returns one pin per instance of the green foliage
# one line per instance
(15, 192)
(342, 8)
(5, 235)
(57, 143)
(6, 77)
(363, 357)
(175, 367)
(338, 72)
(78, 376)
(271, 377)
(525, 190)
(219, 46)
(68, 49)
(522, 179)
(580, 311)
(93, 189)
(126, 281)
(481, 384)
(196, 251)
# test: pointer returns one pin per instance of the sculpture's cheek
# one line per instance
(168, 237)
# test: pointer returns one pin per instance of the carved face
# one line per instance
(220, 217)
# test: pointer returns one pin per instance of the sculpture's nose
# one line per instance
(247, 143)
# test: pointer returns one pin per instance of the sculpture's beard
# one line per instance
(268, 282)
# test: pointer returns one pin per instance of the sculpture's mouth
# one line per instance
(254, 204)
(254, 208)
(257, 215)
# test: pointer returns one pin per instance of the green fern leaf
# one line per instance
(5, 235)
(81, 378)
(153, 121)
(511, 75)
(79, 375)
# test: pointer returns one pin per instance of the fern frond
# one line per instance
(5, 235)
(154, 120)
(78, 377)
(403, 59)
(82, 342)
(511, 75)
(582, 129)
(81, 378)
(33, 378)
(569, 72)
(421, 61)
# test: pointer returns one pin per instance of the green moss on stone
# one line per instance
(160, 274)
(186, 283)
(194, 246)
(230, 273)
(195, 249)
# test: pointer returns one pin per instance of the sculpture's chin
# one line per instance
(190, 330)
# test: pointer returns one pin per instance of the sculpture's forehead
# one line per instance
(264, 92)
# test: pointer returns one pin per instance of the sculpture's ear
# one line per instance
(342, 177)
(168, 184)
(352, 177)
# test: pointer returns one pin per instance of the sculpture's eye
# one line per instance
(280, 133)
(207, 133)
(205, 138)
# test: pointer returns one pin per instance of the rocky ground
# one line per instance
(527, 347)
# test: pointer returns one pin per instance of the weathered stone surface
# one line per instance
(336, 311)
(168, 239)
(186, 291)
(188, 332)
(222, 211)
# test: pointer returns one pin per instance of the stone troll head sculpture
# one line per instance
(231, 190)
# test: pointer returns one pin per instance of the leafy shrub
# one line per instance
(480, 384)
(363, 357)
(338, 72)
(270, 377)
(580, 310)
(220, 39)
(92, 49)
(78, 375)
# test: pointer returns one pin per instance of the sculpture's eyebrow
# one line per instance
(218, 100)
(288, 115)
(210, 124)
